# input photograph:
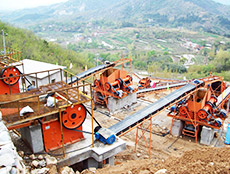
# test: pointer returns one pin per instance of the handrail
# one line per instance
(12, 54)
(44, 93)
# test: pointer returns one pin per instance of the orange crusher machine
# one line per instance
(201, 109)
(144, 83)
(72, 117)
(113, 83)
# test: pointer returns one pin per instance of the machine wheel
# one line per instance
(97, 83)
(10, 72)
(108, 86)
(202, 114)
(74, 116)
(183, 110)
(131, 78)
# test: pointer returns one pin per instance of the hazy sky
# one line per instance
(223, 1)
(20, 4)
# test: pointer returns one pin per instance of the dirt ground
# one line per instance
(202, 160)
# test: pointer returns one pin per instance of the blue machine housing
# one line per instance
(227, 138)
(105, 136)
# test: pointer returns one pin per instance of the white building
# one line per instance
(50, 73)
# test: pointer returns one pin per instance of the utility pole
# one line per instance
(97, 59)
(4, 44)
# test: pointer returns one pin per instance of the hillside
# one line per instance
(32, 47)
(204, 15)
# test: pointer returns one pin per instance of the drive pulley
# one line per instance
(74, 116)
(10, 75)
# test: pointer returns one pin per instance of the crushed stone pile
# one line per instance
(10, 161)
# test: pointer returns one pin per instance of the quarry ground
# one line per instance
(176, 155)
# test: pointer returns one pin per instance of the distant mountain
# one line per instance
(192, 14)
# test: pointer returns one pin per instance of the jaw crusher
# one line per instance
(113, 83)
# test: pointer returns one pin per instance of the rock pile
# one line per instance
(10, 161)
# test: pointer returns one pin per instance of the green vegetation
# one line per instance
(32, 47)
(219, 64)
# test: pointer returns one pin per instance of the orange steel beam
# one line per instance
(148, 145)
(20, 125)
(62, 136)
(92, 116)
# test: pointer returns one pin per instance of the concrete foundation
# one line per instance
(177, 128)
(91, 163)
(110, 161)
(207, 135)
(81, 151)
(32, 135)
(116, 104)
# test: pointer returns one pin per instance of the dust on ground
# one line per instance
(204, 160)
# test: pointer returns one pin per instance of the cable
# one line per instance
(82, 131)
(93, 117)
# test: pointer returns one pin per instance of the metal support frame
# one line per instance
(143, 131)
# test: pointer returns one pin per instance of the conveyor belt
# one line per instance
(222, 96)
(166, 79)
(137, 75)
(146, 112)
(89, 72)
(160, 88)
